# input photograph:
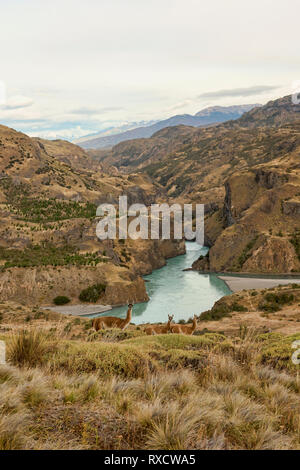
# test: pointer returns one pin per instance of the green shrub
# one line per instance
(279, 299)
(273, 302)
(92, 293)
(61, 300)
(269, 307)
(221, 309)
(236, 307)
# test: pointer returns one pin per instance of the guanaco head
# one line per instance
(130, 305)
(170, 318)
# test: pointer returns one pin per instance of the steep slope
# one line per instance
(274, 113)
(193, 163)
(49, 192)
(258, 228)
(205, 117)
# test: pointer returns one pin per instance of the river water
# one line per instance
(177, 292)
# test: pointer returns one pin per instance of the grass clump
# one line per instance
(27, 348)
(276, 351)
(104, 358)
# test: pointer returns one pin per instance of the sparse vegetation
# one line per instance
(295, 240)
(47, 254)
(222, 309)
(274, 301)
(36, 209)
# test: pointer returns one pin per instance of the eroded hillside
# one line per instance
(246, 172)
(49, 191)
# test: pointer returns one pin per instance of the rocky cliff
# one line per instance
(258, 229)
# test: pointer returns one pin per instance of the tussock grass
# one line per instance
(27, 348)
(166, 392)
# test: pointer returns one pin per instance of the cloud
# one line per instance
(87, 111)
(17, 102)
(238, 92)
(211, 97)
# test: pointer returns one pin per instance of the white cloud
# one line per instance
(17, 102)
(116, 61)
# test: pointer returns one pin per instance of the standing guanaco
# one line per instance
(113, 322)
(159, 329)
(185, 329)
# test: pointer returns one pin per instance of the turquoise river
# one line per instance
(174, 291)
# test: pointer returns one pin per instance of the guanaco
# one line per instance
(185, 329)
(159, 329)
(113, 322)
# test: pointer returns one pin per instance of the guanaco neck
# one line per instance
(194, 324)
(128, 316)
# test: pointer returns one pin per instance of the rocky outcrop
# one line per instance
(269, 179)
(260, 214)
(291, 208)
(276, 255)
(227, 212)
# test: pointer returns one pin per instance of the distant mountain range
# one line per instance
(207, 116)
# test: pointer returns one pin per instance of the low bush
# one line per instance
(220, 310)
(92, 293)
(273, 301)
(61, 300)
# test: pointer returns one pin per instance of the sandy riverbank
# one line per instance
(239, 283)
(80, 310)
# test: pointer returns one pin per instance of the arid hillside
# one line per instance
(246, 172)
(192, 164)
(49, 191)
(258, 227)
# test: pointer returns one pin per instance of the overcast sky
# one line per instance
(73, 67)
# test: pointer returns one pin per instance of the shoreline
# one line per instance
(236, 283)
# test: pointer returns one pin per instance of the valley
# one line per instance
(233, 383)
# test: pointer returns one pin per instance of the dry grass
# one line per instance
(133, 394)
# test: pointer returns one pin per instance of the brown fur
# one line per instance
(159, 329)
(185, 329)
(113, 322)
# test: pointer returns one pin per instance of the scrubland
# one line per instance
(125, 390)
